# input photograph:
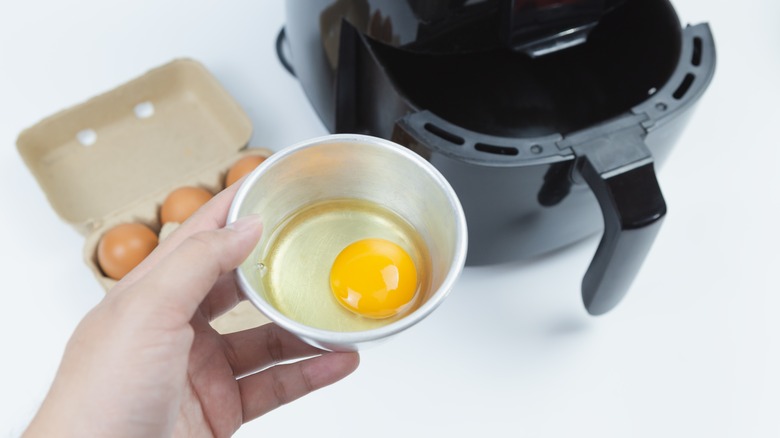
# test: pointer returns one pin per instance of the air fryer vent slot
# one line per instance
(696, 56)
(444, 135)
(497, 150)
(684, 86)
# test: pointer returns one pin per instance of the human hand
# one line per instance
(146, 362)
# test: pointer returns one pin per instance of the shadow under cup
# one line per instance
(349, 166)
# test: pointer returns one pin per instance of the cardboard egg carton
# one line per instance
(115, 157)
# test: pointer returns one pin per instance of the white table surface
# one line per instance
(694, 350)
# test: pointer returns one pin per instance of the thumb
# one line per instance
(184, 278)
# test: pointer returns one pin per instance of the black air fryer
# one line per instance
(548, 117)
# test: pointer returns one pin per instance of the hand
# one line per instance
(146, 362)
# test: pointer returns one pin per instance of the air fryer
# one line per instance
(547, 117)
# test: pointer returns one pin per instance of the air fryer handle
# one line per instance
(619, 170)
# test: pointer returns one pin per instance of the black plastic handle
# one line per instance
(619, 170)
(281, 41)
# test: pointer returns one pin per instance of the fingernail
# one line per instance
(247, 223)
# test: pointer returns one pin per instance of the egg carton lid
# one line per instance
(141, 138)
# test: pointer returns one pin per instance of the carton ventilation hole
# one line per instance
(87, 137)
(144, 110)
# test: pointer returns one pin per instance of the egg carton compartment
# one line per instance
(116, 157)
(147, 213)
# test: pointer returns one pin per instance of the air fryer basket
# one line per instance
(628, 56)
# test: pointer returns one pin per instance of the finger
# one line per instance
(181, 281)
(224, 296)
(256, 348)
(210, 216)
(267, 390)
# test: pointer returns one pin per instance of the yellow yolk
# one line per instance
(374, 278)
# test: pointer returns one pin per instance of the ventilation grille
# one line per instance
(444, 135)
(497, 150)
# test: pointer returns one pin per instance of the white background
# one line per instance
(694, 350)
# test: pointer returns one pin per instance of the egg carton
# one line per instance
(114, 158)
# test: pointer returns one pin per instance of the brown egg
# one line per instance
(123, 247)
(242, 167)
(182, 202)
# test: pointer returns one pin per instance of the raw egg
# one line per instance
(374, 278)
(182, 202)
(123, 247)
(242, 167)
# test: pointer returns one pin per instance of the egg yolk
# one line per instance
(374, 278)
